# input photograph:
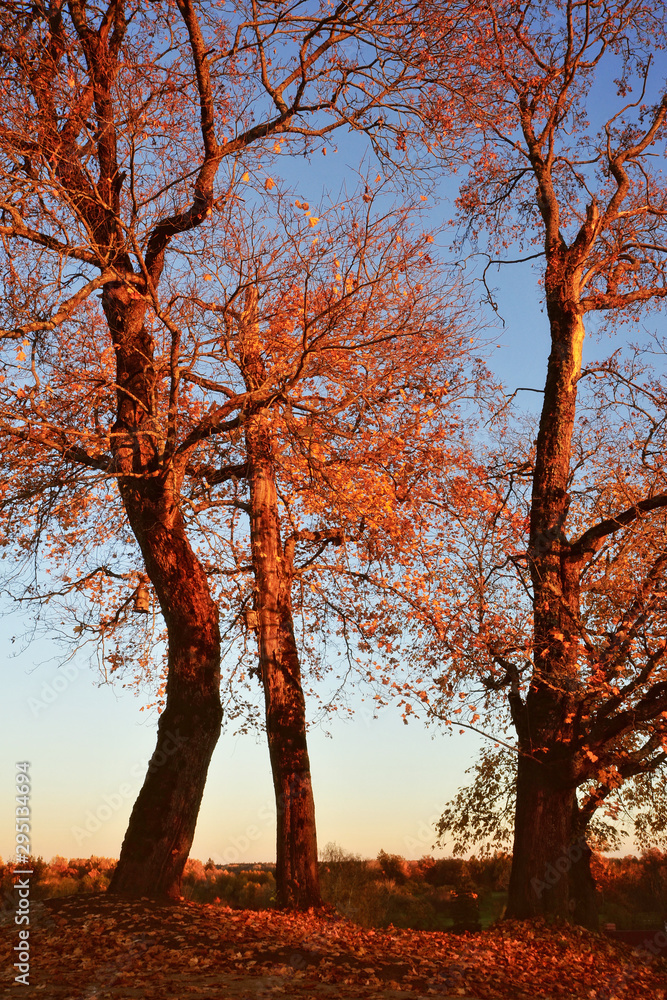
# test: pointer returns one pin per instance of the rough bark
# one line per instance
(162, 824)
(550, 868)
(551, 860)
(297, 878)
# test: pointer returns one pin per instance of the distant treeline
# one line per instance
(430, 894)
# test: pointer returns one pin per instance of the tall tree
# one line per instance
(116, 123)
(586, 686)
(323, 324)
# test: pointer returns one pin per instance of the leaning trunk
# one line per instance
(146, 461)
(162, 824)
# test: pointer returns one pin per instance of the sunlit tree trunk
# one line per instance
(162, 824)
(297, 878)
(550, 871)
(550, 874)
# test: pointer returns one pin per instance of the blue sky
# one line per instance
(378, 783)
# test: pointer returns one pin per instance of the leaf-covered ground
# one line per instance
(86, 947)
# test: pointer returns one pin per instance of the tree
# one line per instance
(326, 334)
(106, 111)
(585, 683)
(342, 386)
(297, 876)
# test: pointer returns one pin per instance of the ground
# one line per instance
(86, 947)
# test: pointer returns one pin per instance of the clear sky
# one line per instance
(378, 783)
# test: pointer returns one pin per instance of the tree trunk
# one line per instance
(162, 824)
(297, 878)
(551, 860)
(550, 874)
(583, 890)
(297, 875)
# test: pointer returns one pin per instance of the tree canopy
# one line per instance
(262, 407)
